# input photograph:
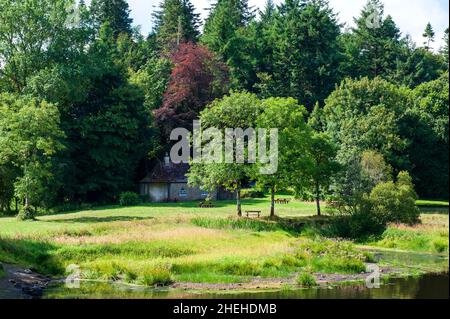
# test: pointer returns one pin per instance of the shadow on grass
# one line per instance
(434, 210)
(38, 256)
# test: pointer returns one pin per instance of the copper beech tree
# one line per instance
(198, 77)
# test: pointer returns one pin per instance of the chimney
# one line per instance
(167, 160)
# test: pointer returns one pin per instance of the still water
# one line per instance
(430, 286)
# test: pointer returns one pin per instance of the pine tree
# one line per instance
(429, 36)
(226, 34)
(306, 51)
(225, 18)
(114, 12)
(176, 22)
(374, 46)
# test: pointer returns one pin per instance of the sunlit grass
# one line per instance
(155, 244)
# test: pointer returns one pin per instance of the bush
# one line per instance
(306, 280)
(26, 213)
(129, 199)
(396, 202)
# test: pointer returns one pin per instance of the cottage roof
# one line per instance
(164, 172)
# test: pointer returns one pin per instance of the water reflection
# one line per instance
(430, 286)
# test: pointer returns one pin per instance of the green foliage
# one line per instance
(414, 240)
(29, 138)
(153, 79)
(374, 46)
(426, 128)
(429, 35)
(285, 115)
(129, 199)
(114, 12)
(252, 193)
(225, 34)
(387, 202)
(42, 36)
(374, 168)
(365, 114)
(396, 202)
(327, 256)
(306, 280)
(302, 49)
(175, 22)
(26, 213)
(323, 166)
(237, 110)
(156, 277)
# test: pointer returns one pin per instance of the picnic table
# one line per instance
(206, 205)
(282, 201)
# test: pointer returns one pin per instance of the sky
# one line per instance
(410, 15)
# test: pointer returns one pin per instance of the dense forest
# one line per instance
(87, 102)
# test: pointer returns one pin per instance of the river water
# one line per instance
(429, 286)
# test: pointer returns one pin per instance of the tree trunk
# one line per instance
(272, 201)
(318, 198)
(238, 201)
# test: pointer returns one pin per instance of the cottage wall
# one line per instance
(182, 192)
(156, 192)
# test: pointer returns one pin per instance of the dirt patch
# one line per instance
(19, 283)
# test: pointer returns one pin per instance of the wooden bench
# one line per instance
(250, 213)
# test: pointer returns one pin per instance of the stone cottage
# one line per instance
(167, 182)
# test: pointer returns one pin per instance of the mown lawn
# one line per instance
(160, 243)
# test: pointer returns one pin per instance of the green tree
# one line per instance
(429, 35)
(306, 50)
(109, 127)
(35, 34)
(225, 33)
(373, 48)
(8, 174)
(237, 110)
(322, 167)
(426, 128)
(396, 202)
(374, 168)
(153, 79)
(114, 12)
(175, 22)
(29, 137)
(421, 66)
(366, 114)
(294, 137)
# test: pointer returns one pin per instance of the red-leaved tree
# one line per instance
(198, 77)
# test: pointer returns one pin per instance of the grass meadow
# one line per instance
(158, 244)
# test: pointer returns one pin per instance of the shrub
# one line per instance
(396, 202)
(129, 199)
(306, 280)
(26, 213)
